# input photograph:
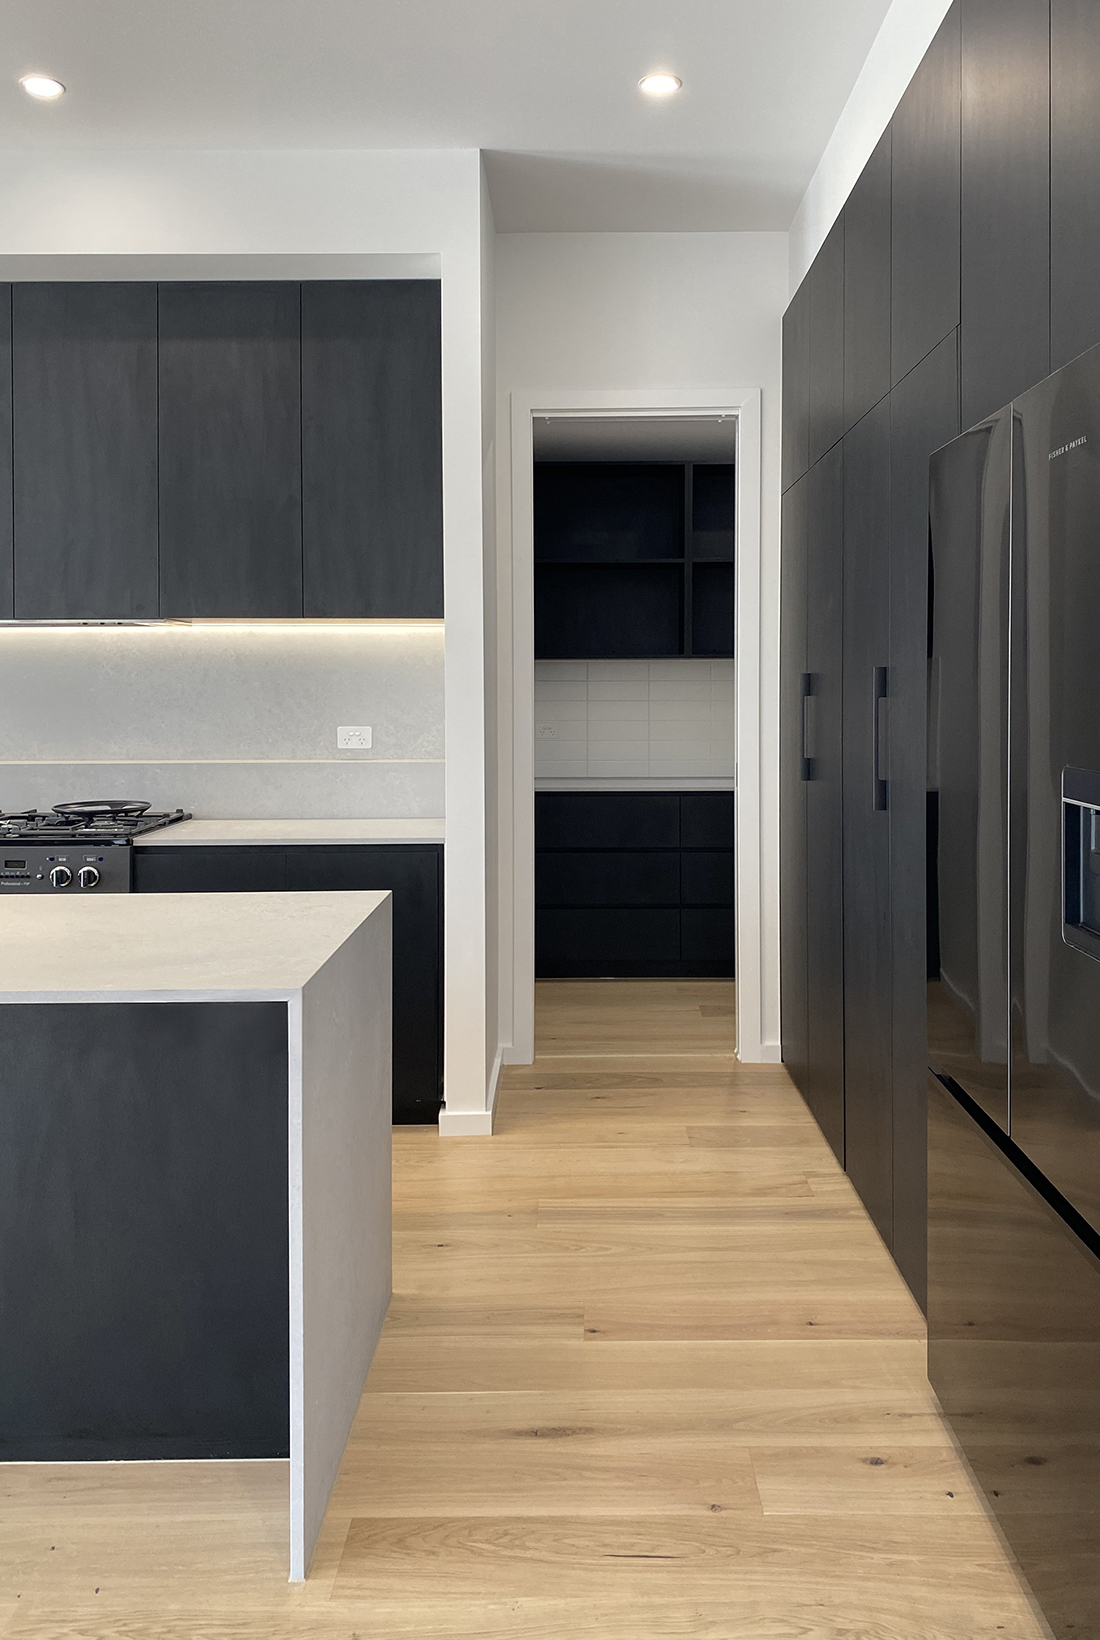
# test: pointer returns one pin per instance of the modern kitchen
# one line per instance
(549, 821)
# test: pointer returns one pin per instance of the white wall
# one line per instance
(906, 33)
(592, 312)
(247, 215)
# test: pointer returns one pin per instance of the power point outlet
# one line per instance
(353, 737)
(547, 732)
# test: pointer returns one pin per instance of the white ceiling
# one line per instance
(635, 438)
(548, 87)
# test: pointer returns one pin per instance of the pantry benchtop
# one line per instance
(277, 832)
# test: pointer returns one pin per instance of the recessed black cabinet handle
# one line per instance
(881, 710)
(809, 725)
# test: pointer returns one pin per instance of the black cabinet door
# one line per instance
(826, 281)
(200, 870)
(706, 877)
(7, 565)
(706, 820)
(867, 286)
(926, 167)
(824, 802)
(618, 820)
(599, 943)
(606, 878)
(1005, 201)
(372, 462)
(794, 719)
(84, 400)
(1074, 179)
(923, 416)
(412, 874)
(230, 450)
(868, 1124)
(706, 936)
(796, 385)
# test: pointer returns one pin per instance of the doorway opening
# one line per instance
(634, 700)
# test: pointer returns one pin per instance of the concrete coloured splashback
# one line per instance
(231, 721)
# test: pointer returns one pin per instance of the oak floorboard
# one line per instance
(644, 1357)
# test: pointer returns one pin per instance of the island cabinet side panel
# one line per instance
(144, 1230)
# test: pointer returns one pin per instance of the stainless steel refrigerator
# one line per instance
(1014, 1011)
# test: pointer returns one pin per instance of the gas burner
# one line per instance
(103, 821)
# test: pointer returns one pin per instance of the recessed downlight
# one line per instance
(659, 85)
(42, 87)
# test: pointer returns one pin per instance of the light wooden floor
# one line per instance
(648, 1374)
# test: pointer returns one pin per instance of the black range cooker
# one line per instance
(77, 846)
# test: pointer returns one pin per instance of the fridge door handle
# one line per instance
(881, 738)
(809, 725)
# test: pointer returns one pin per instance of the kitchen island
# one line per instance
(195, 1241)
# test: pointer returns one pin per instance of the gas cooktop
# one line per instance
(108, 820)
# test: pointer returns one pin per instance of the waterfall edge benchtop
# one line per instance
(133, 947)
(276, 832)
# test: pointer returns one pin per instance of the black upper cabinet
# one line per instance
(230, 450)
(867, 287)
(796, 386)
(7, 560)
(372, 494)
(1005, 201)
(608, 511)
(826, 281)
(926, 161)
(84, 450)
(1074, 179)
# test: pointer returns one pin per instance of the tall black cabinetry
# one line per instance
(220, 449)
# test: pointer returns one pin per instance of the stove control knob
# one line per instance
(61, 876)
(88, 876)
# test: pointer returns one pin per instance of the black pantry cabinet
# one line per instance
(974, 235)
(414, 874)
(248, 450)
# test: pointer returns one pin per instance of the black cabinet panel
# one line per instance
(612, 820)
(596, 511)
(868, 1125)
(826, 281)
(792, 783)
(200, 870)
(600, 942)
(230, 450)
(607, 611)
(1014, 1356)
(925, 205)
(1074, 179)
(796, 385)
(706, 820)
(824, 802)
(713, 510)
(607, 879)
(706, 878)
(712, 609)
(924, 416)
(372, 475)
(706, 936)
(412, 874)
(1005, 201)
(867, 287)
(85, 451)
(144, 1231)
(7, 562)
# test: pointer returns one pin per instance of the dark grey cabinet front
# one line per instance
(230, 450)
(84, 451)
(867, 287)
(796, 386)
(372, 492)
(1005, 201)
(826, 282)
(1074, 179)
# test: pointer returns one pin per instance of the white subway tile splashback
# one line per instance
(606, 720)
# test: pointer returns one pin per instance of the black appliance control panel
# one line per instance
(65, 868)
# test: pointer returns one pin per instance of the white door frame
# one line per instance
(742, 403)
